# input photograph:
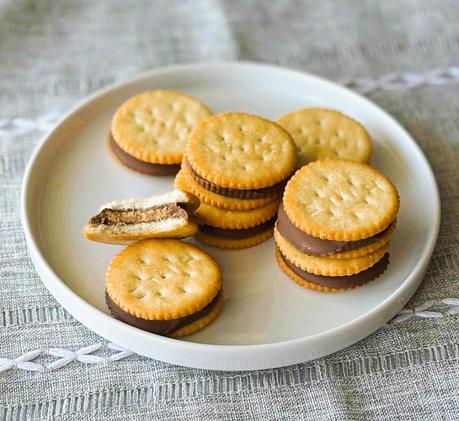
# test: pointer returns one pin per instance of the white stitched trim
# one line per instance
(65, 356)
(404, 81)
(14, 127)
(423, 311)
(86, 355)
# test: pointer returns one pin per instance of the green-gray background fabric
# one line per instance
(53, 53)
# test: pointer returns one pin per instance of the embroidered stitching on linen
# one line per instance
(65, 357)
(85, 355)
(14, 127)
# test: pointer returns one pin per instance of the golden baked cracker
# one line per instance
(162, 279)
(154, 126)
(321, 133)
(241, 151)
(235, 244)
(340, 200)
(302, 282)
(325, 265)
(222, 218)
(369, 248)
(107, 235)
(201, 323)
(185, 181)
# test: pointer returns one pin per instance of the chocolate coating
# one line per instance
(350, 281)
(315, 246)
(142, 166)
(160, 327)
(236, 234)
(273, 191)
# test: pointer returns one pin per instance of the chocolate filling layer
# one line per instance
(160, 327)
(236, 234)
(134, 216)
(273, 191)
(142, 166)
(356, 280)
(315, 246)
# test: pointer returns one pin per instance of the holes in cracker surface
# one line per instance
(357, 216)
(138, 295)
(334, 212)
(186, 258)
(380, 185)
(319, 193)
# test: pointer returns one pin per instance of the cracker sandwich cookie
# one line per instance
(236, 229)
(237, 164)
(321, 133)
(149, 131)
(335, 224)
(170, 215)
(167, 287)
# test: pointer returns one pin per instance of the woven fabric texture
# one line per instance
(53, 53)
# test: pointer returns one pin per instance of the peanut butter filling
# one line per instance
(135, 216)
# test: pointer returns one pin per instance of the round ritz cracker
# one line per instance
(167, 287)
(340, 200)
(241, 152)
(184, 180)
(235, 229)
(328, 265)
(235, 244)
(149, 131)
(236, 220)
(334, 283)
(321, 133)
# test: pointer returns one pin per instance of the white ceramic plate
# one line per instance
(267, 320)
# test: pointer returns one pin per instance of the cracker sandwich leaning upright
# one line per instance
(334, 225)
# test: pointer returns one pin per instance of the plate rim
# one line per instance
(63, 293)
